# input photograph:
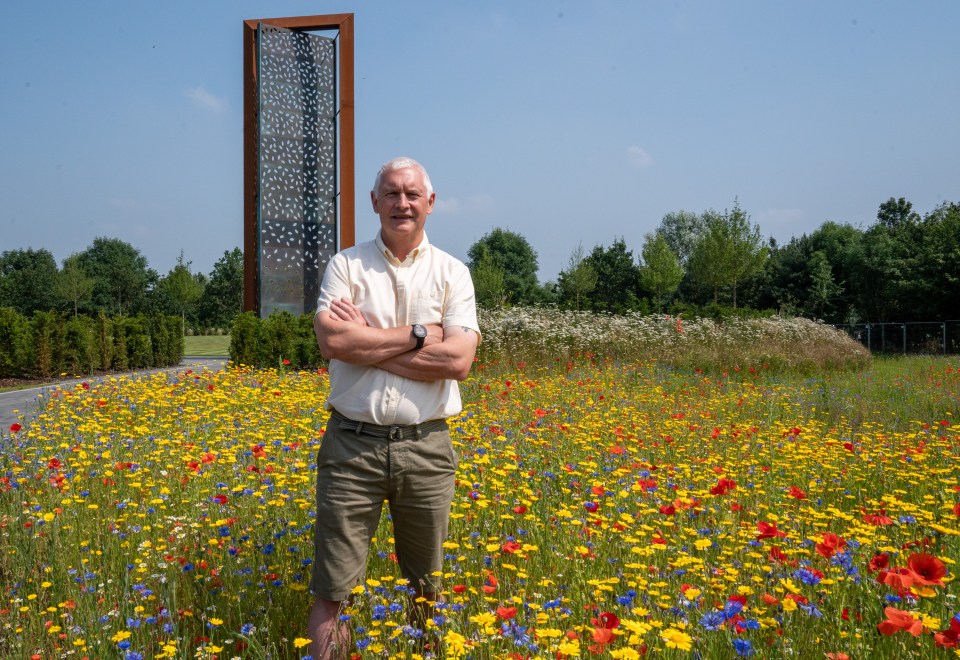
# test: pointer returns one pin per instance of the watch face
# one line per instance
(419, 331)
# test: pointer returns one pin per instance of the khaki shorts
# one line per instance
(356, 474)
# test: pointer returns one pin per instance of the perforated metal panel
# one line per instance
(296, 170)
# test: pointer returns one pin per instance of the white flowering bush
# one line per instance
(541, 335)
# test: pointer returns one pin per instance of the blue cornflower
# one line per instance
(247, 629)
(743, 647)
(712, 620)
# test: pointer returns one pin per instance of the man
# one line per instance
(397, 319)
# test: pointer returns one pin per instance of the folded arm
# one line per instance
(343, 334)
(448, 359)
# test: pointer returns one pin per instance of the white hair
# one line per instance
(401, 163)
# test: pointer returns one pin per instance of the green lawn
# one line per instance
(212, 346)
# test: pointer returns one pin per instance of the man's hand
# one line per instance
(345, 310)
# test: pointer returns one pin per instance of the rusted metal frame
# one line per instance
(346, 233)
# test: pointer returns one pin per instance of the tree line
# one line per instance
(112, 277)
(903, 267)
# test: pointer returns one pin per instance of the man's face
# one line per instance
(403, 204)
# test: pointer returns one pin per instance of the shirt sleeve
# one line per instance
(335, 283)
(460, 307)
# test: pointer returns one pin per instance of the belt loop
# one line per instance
(416, 429)
(395, 433)
(359, 428)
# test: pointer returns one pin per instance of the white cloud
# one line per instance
(456, 206)
(639, 157)
(205, 99)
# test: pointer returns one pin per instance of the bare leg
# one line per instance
(330, 639)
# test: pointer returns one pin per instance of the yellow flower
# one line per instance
(676, 639)
(300, 642)
(569, 647)
(120, 635)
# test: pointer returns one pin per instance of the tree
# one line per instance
(728, 252)
(27, 279)
(517, 261)
(488, 283)
(222, 298)
(823, 288)
(72, 285)
(895, 213)
(182, 288)
(122, 278)
(617, 278)
(660, 269)
(682, 229)
(578, 280)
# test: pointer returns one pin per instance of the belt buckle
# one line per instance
(395, 433)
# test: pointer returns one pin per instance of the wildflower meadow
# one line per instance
(606, 507)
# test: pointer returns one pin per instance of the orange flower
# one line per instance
(899, 620)
(898, 578)
(602, 635)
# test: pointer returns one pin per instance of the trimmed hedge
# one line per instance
(50, 343)
(270, 342)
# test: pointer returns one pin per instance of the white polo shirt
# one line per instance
(429, 286)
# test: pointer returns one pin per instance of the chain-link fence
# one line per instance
(921, 337)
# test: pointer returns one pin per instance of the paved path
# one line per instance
(19, 406)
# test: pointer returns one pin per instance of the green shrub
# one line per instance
(78, 351)
(245, 340)
(15, 343)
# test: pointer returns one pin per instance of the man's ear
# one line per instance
(430, 201)
(373, 200)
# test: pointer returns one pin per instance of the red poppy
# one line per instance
(459, 588)
(928, 569)
(769, 531)
(830, 544)
(219, 499)
(510, 547)
(519, 510)
(899, 620)
(848, 446)
(14, 428)
(54, 464)
(795, 492)
(878, 518)
(950, 637)
(668, 509)
(506, 612)
(607, 620)
(956, 509)
(879, 562)
(898, 578)
(723, 486)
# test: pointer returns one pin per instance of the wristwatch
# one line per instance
(419, 333)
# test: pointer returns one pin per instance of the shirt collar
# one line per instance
(413, 256)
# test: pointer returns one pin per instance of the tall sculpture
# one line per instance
(298, 157)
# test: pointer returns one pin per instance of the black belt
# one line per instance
(395, 432)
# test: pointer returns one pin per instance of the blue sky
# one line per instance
(568, 122)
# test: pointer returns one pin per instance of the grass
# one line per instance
(207, 346)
